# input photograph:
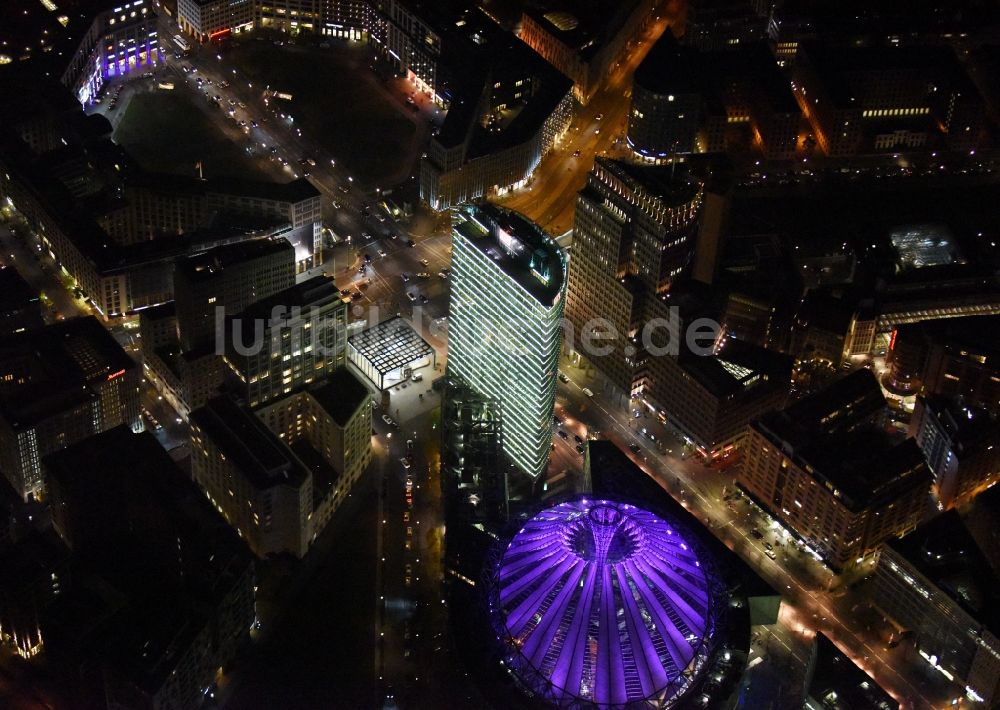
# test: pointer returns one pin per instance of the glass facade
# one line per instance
(509, 283)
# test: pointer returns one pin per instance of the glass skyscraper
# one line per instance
(508, 291)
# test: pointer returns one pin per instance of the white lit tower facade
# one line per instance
(507, 297)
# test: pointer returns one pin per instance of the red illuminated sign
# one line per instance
(115, 375)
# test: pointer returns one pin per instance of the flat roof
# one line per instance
(839, 66)
(945, 552)
(315, 292)
(149, 532)
(737, 367)
(15, 292)
(839, 684)
(832, 433)
(670, 186)
(243, 438)
(390, 345)
(211, 263)
(583, 25)
(59, 363)
(341, 395)
(519, 247)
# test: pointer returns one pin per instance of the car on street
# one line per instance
(579, 449)
(410, 243)
(405, 276)
(562, 434)
(576, 154)
(563, 378)
(388, 420)
(443, 274)
(405, 461)
(587, 391)
(423, 298)
(756, 534)
(770, 553)
(578, 438)
(423, 275)
(411, 296)
(557, 419)
(381, 252)
(425, 263)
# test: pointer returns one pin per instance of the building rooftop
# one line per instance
(922, 245)
(519, 247)
(15, 293)
(314, 293)
(736, 368)
(47, 34)
(838, 684)
(390, 345)
(243, 438)
(669, 68)
(140, 524)
(211, 263)
(582, 25)
(613, 553)
(835, 434)
(842, 69)
(341, 395)
(672, 68)
(669, 186)
(967, 427)
(53, 367)
(945, 552)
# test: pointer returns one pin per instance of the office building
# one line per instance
(962, 447)
(475, 474)
(726, 24)
(215, 19)
(835, 682)
(177, 585)
(953, 357)
(287, 340)
(870, 99)
(666, 108)
(508, 109)
(183, 340)
(329, 427)
(83, 44)
(278, 474)
(939, 585)
(828, 470)
(117, 230)
(252, 478)
(586, 40)
(688, 100)
(634, 236)
(225, 281)
(508, 291)
(58, 385)
(20, 304)
(710, 399)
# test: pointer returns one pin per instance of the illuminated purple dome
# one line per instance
(602, 603)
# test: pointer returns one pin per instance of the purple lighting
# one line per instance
(602, 603)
